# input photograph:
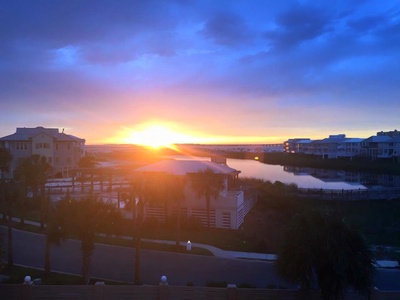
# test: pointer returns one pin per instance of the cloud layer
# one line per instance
(236, 69)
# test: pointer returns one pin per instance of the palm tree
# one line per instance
(208, 184)
(321, 249)
(54, 232)
(86, 218)
(140, 192)
(172, 188)
(32, 172)
(11, 200)
(5, 163)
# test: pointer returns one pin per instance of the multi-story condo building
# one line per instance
(350, 148)
(380, 146)
(62, 151)
(292, 145)
(393, 134)
(385, 145)
(328, 147)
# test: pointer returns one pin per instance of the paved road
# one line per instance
(117, 263)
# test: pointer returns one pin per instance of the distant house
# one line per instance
(62, 151)
(380, 146)
(350, 148)
(227, 211)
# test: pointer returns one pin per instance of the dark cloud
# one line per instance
(299, 24)
(227, 29)
(68, 22)
(367, 24)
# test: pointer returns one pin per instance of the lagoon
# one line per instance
(256, 169)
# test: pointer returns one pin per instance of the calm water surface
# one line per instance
(253, 168)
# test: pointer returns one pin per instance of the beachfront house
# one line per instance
(62, 151)
(228, 210)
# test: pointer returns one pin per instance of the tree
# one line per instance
(12, 198)
(87, 162)
(172, 188)
(32, 172)
(208, 184)
(5, 164)
(166, 190)
(321, 249)
(85, 219)
(55, 230)
(140, 191)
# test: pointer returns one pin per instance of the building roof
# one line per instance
(183, 167)
(24, 134)
(333, 140)
(378, 139)
(353, 140)
(305, 142)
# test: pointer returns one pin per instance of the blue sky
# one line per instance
(204, 71)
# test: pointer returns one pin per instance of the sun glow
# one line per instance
(156, 136)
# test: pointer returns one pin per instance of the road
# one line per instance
(117, 263)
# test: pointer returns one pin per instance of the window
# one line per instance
(21, 146)
(56, 146)
(42, 146)
(57, 160)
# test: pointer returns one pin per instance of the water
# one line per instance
(322, 179)
(253, 168)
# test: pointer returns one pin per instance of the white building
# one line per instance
(350, 148)
(227, 211)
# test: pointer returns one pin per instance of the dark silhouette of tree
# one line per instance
(140, 192)
(167, 190)
(2, 265)
(32, 172)
(87, 161)
(55, 231)
(85, 219)
(12, 199)
(321, 249)
(208, 184)
(87, 165)
(172, 194)
(5, 164)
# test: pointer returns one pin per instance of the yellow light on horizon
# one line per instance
(156, 136)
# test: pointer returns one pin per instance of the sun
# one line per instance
(155, 136)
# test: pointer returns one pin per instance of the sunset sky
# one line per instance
(190, 71)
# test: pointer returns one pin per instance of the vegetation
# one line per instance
(263, 230)
(5, 163)
(32, 172)
(320, 248)
(208, 185)
(90, 216)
